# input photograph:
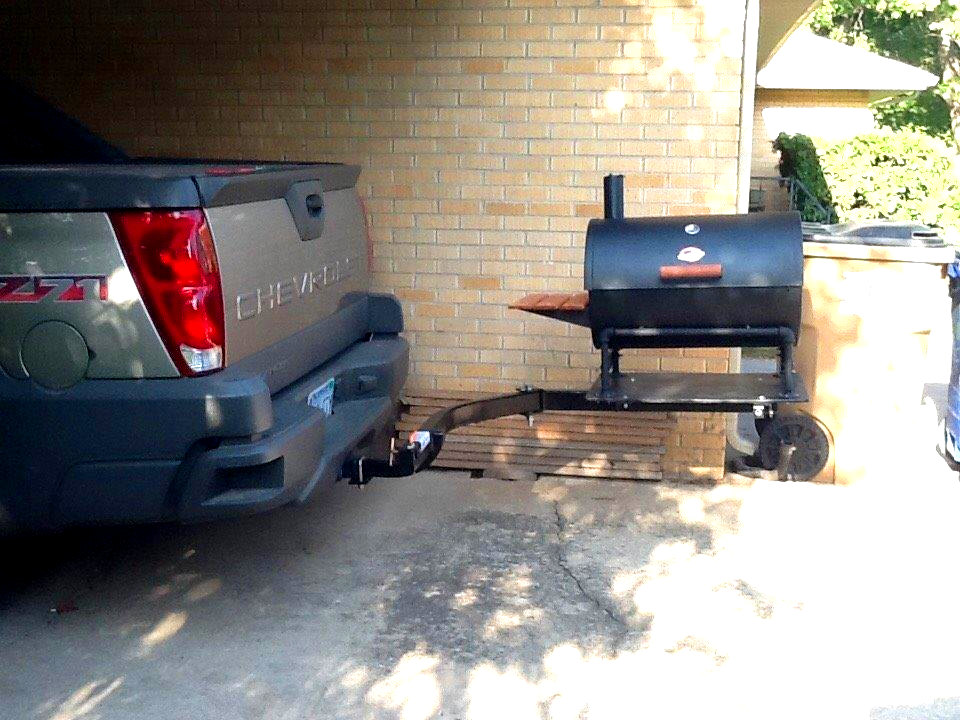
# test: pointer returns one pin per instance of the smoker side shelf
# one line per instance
(566, 307)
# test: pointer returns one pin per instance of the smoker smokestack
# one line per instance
(613, 197)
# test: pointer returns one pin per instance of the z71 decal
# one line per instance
(59, 288)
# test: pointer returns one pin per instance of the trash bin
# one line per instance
(872, 294)
(951, 423)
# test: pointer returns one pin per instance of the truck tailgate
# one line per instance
(276, 283)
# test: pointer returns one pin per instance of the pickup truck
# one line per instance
(186, 340)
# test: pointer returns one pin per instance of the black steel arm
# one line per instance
(425, 444)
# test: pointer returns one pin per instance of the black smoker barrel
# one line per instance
(726, 276)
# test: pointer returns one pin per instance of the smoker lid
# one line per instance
(759, 250)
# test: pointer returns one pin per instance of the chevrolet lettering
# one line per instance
(283, 292)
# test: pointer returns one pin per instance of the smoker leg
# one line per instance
(606, 361)
(609, 364)
(786, 365)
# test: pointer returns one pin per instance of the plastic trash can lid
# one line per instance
(878, 240)
(880, 233)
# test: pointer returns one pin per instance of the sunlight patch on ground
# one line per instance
(412, 689)
(493, 693)
(465, 598)
(575, 683)
(86, 699)
(204, 589)
(169, 626)
(354, 678)
(505, 621)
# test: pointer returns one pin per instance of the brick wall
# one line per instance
(484, 129)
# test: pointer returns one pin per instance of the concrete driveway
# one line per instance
(442, 596)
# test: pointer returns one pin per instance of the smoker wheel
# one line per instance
(805, 434)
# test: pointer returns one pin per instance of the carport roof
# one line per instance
(809, 62)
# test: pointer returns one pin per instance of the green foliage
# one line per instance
(895, 28)
(887, 174)
(799, 160)
(924, 111)
(907, 170)
(896, 175)
(918, 32)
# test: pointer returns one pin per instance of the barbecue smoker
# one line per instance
(667, 282)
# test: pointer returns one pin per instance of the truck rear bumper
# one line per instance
(190, 449)
(286, 466)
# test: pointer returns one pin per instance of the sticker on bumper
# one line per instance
(322, 397)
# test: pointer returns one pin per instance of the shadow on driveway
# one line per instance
(338, 608)
(441, 596)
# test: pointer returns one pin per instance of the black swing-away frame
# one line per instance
(756, 393)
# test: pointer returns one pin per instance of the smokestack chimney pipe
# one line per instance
(613, 197)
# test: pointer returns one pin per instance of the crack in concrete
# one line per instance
(561, 529)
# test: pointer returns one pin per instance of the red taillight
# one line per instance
(174, 264)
